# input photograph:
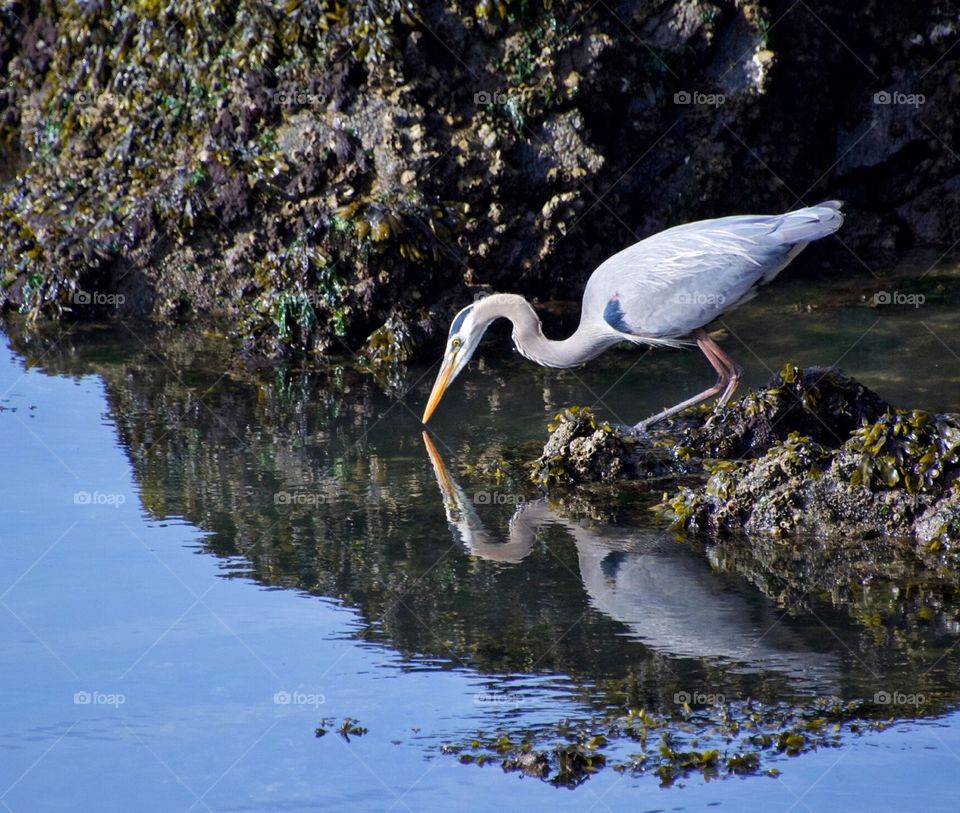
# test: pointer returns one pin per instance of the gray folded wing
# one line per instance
(682, 278)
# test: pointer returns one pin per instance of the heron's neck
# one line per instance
(587, 342)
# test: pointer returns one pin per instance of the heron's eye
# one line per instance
(455, 344)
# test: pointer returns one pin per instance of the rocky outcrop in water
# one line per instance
(317, 172)
(813, 453)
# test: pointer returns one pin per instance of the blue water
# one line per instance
(142, 673)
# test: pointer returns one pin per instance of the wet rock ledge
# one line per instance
(334, 176)
(813, 452)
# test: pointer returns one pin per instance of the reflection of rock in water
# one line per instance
(668, 598)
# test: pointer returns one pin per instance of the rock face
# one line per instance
(815, 452)
(315, 171)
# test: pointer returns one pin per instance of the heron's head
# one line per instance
(466, 330)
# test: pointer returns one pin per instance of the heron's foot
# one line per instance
(680, 417)
(642, 427)
(625, 429)
(719, 410)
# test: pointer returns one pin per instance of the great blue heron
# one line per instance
(655, 292)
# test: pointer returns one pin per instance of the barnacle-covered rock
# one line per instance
(814, 453)
(582, 449)
(310, 169)
(894, 475)
(819, 403)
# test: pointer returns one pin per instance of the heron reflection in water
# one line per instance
(656, 292)
(667, 598)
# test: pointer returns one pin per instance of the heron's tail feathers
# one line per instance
(656, 342)
(811, 223)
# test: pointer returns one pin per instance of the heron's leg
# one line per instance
(703, 396)
(728, 372)
(716, 355)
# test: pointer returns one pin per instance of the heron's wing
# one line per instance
(682, 278)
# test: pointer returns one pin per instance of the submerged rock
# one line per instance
(814, 452)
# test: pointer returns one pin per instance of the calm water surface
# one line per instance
(202, 565)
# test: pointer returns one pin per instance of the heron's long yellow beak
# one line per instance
(439, 387)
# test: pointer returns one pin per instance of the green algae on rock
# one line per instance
(894, 474)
